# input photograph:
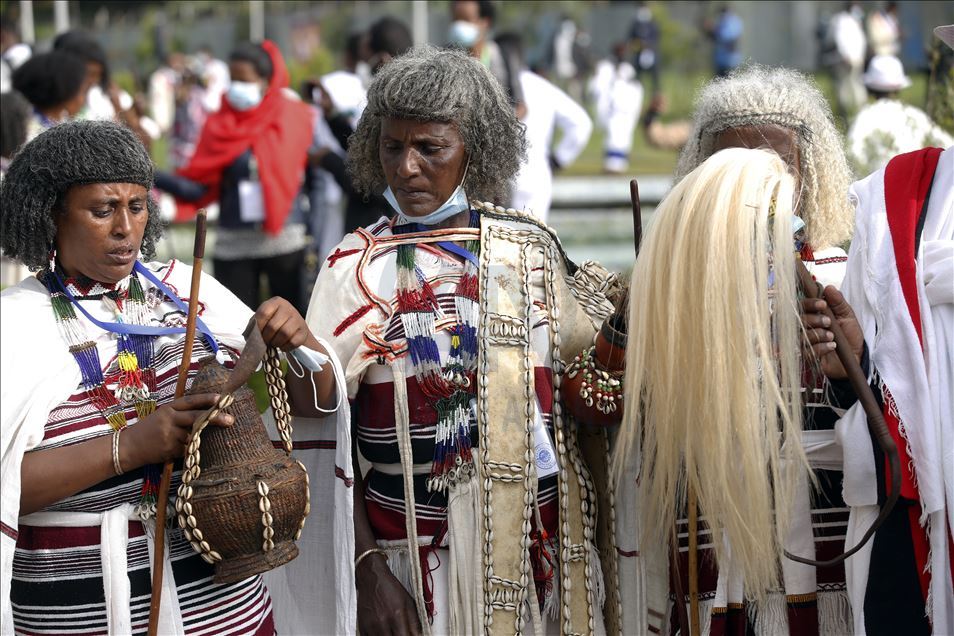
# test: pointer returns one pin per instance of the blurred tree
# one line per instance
(940, 89)
(678, 42)
(320, 63)
(145, 51)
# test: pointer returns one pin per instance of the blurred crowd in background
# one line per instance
(613, 100)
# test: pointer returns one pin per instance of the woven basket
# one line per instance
(247, 505)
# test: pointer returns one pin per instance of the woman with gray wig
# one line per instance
(441, 87)
(453, 320)
(91, 348)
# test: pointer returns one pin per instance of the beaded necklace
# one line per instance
(135, 384)
(449, 388)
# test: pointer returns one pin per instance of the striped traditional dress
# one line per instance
(535, 309)
(374, 414)
(814, 600)
(58, 582)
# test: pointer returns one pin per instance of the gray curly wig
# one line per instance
(429, 84)
(68, 154)
(758, 95)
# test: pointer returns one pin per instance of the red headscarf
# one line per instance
(279, 132)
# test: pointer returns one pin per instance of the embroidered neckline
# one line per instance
(85, 288)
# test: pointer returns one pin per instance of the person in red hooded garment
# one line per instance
(251, 159)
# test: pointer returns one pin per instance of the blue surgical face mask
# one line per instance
(455, 204)
(463, 34)
(244, 95)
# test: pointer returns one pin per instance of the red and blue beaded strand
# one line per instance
(449, 387)
(136, 383)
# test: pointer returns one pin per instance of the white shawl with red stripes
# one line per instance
(885, 292)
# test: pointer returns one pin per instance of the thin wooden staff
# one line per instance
(159, 552)
(877, 427)
(619, 318)
(688, 625)
(681, 615)
(693, 529)
(637, 214)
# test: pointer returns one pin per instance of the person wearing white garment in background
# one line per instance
(163, 84)
(548, 108)
(887, 127)
(884, 30)
(345, 86)
(215, 75)
(845, 57)
(899, 299)
(619, 99)
(104, 100)
(13, 53)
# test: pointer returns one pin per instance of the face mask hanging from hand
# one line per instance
(463, 34)
(455, 204)
(244, 95)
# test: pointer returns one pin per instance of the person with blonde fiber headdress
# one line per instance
(763, 99)
(783, 111)
(733, 211)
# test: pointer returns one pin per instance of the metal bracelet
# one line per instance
(368, 552)
(117, 467)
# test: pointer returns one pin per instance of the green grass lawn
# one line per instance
(680, 91)
(642, 160)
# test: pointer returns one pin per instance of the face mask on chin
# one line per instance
(463, 34)
(244, 95)
(455, 204)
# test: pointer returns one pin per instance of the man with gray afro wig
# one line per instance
(428, 84)
(73, 153)
(758, 97)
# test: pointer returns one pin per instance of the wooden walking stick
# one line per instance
(676, 576)
(690, 626)
(681, 615)
(693, 529)
(877, 427)
(159, 552)
(637, 214)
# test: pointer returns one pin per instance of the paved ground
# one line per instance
(604, 235)
(594, 220)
